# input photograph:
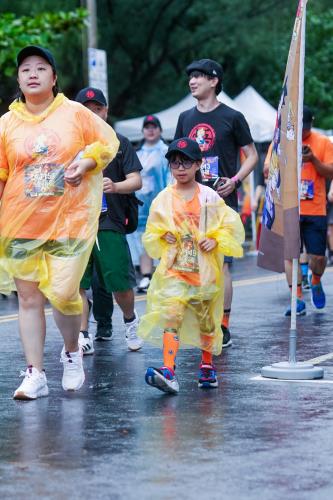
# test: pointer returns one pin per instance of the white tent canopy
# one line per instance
(132, 128)
(260, 115)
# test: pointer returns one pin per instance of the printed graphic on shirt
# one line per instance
(204, 135)
(187, 256)
(43, 144)
(307, 190)
(44, 180)
(209, 168)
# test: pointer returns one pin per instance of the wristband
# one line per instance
(237, 181)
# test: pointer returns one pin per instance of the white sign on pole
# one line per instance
(97, 70)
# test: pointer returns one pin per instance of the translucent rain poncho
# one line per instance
(186, 291)
(47, 227)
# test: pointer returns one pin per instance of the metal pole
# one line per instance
(293, 328)
(92, 25)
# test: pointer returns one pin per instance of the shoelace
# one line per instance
(72, 363)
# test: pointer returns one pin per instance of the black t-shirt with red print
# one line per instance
(220, 134)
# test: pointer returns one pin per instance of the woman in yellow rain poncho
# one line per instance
(189, 228)
(52, 152)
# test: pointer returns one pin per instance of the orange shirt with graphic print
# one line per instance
(186, 215)
(322, 148)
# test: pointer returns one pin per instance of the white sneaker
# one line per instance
(73, 376)
(143, 285)
(86, 343)
(33, 386)
(134, 343)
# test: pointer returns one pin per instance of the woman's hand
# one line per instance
(75, 171)
(169, 238)
(207, 244)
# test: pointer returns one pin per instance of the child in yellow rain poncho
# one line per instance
(52, 152)
(189, 228)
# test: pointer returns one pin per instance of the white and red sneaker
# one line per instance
(34, 385)
(73, 376)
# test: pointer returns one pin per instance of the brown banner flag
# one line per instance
(280, 236)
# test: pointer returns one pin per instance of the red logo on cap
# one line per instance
(90, 94)
(181, 144)
(150, 118)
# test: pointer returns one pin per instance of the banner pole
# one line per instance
(293, 325)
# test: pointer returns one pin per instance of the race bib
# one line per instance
(187, 256)
(307, 190)
(44, 180)
(209, 168)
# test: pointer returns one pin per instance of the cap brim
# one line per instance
(33, 50)
(179, 150)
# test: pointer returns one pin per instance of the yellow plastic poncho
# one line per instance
(47, 227)
(186, 291)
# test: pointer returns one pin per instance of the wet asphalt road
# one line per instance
(120, 439)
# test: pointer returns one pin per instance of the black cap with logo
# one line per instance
(35, 50)
(206, 66)
(152, 120)
(308, 117)
(91, 94)
(185, 146)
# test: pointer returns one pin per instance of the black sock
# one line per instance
(129, 320)
(147, 275)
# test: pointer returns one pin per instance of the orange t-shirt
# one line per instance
(312, 182)
(186, 215)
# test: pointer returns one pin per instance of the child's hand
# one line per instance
(169, 238)
(207, 244)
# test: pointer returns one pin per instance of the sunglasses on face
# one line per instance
(175, 164)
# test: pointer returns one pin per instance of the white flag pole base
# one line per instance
(292, 371)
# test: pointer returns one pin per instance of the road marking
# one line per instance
(14, 317)
(259, 378)
(320, 359)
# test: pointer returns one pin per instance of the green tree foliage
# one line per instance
(150, 42)
(42, 29)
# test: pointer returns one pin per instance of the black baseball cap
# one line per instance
(35, 50)
(185, 146)
(308, 117)
(206, 66)
(91, 94)
(152, 120)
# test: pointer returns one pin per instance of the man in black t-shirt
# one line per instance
(220, 132)
(110, 268)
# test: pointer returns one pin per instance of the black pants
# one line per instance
(102, 302)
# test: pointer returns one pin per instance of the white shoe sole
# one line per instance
(157, 380)
(133, 349)
(22, 396)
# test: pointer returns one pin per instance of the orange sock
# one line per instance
(226, 318)
(299, 292)
(315, 280)
(170, 348)
(206, 358)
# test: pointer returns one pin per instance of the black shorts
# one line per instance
(313, 233)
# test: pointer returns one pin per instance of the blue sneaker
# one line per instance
(207, 376)
(318, 297)
(300, 309)
(163, 378)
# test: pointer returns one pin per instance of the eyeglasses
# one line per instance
(187, 164)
